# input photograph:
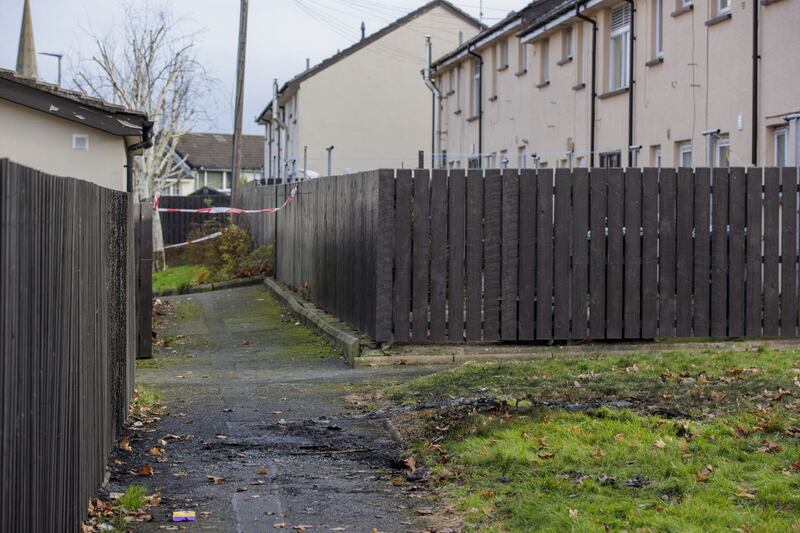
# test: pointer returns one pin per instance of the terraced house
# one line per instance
(626, 83)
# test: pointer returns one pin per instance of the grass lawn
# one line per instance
(707, 442)
(175, 278)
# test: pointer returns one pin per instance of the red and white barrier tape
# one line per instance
(222, 210)
(201, 239)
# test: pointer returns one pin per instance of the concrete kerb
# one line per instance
(208, 287)
(314, 318)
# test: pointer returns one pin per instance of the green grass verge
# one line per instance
(175, 279)
(731, 464)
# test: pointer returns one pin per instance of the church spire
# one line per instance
(26, 55)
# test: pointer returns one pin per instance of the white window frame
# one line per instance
(503, 54)
(460, 101)
(545, 50)
(781, 131)
(723, 6)
(687, 3)
(522, 156)
(620, 37)
(684, 149)
(475, 92)
(569, 35)
(720, 142)
(84, 137)
(658, 5)
(523, 57)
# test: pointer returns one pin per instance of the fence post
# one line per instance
(145, 282)
(384, 252)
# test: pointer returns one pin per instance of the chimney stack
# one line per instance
(26, 54)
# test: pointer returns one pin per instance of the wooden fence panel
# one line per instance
(597, 253)
(68, 269)
(402, 256)
(421, 256)
(667, 266)
(615, 260)
(492, 268)
(702, 253)
(438, 256)
(719, 253)
(527, 255)
(176, 227)
(457, 201)
(753, 300)
(771, 252)
(474, 254)
(562, 235)
(650, 253)
(685, 251)
(736, 252)
(632, 317)
(789, 252)
(544, 254)
(510, 255)
(580, 254)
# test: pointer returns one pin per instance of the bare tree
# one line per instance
(149, 64)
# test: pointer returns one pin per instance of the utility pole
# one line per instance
(237, 125)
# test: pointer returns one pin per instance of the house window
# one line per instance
(580, 48)
(619, 48)
(611, 159)
(491, 160)
(522, 157)
(567, 44)
(475, 107)
(451, 77)
(460, 88)
(685, 154)
(544, 74)
(658, 22)
(80, 141)
(503, 54)
(504, 158)
(579, 162)
(215, 179)
(523, 58)
(686, 3)
(655, 155)
(494, 71)
(781, 147)
(722, 149)
(723, 6)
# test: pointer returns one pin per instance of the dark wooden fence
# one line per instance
(415, 256)
(67, 342)
(177, 226)
(143, 239)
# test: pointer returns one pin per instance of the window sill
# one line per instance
(719, 18)
(615, 92)
(654, 62)
(543, 84)
(579, 87)
(457, 112)
(564, 61)
(450, 93)
(473, 118)
(501, 69)
(681, 10)
(768, 2)
(493, 98)
(521, 72)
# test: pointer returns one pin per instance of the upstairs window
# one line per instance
(619, 49)
(723, 6)
(567, 44)
(722, 150)
(685, 154)
(658, 22)
(522, 157)
(460, 88)
(781, 147)
(544, 74)
(475, 107)
(503, 54)
(523, 58)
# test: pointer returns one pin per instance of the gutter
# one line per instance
(756, 57)
(146, 142)
(593, 106)
(437, 98)
(631, 81)
(471, 52)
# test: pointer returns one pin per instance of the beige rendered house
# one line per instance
(626, 83)
(62, 132)
(367, 102)
(206, 162)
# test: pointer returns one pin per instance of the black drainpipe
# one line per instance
(631, 81)
(594, 80)
(146, 142)
(756, 57)
(480, 105)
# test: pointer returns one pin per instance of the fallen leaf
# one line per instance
(573, 513)
(745, 493)
(125, 444)
(279, 525)
(216, 480)
(154, 499)
(180, 474)
(241, 489)
(660, 444)
(795, 465)
(145, 470)
(599, 454)
(704, 475)
(156, 452)
(411, 463)
(770, 447)
(301, 527)
(262, 471)
(257, 482)
(546, 455)
(244, 343)
(424, 511)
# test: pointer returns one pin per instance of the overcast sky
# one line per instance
(281, 35)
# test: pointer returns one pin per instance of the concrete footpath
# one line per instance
(258, 402)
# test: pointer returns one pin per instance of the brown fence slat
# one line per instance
(615, 266)
(632, 316)
(527, 254)
(561, 253)
(771, 251)
(402, 256)
(736, 252)
(438, 255)
(510, 255)
(789, 252)
(383, 216)
(580, 254)
(667, 266)
(753, 294)
(544, 254)
(421, 256)
(474, 254)
(702, 253)
(457, 190)
(684, 251)
(650, 253)
(719, 253)
(492, 267)
(598, 182)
